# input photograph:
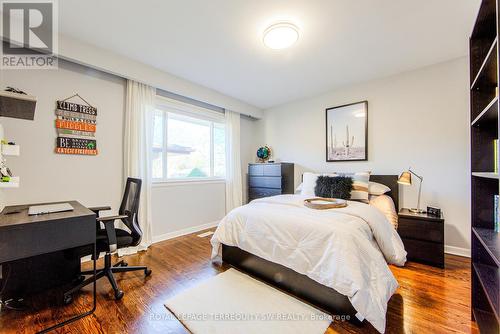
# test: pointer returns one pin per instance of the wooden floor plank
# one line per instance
(429, 300)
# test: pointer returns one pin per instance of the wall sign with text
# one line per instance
(76, 127)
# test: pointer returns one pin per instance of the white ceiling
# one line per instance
(218, 43)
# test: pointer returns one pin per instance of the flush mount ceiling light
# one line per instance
(281, 35)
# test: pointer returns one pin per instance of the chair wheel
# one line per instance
(147, 272)
(119, 295)
(67, 299)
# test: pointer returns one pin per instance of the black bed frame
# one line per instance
(297, 284)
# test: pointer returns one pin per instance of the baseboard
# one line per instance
(457, 251)
(180, 233)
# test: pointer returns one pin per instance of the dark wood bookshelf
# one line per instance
(484, 123)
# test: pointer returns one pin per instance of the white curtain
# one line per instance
(139, 109)
(234, 192)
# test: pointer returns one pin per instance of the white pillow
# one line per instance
(309, 183)
(375, 188)
(299, 189)
(386, 205)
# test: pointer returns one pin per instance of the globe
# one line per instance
(263, 153)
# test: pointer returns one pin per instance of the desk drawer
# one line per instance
(273, 182)
(254, 193)
(421, 230)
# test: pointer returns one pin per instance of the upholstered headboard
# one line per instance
(392, 182)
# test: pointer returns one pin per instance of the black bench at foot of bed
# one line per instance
(301, 286)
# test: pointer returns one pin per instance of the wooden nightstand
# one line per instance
(423, 237)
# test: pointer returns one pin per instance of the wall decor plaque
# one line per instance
(76, 127)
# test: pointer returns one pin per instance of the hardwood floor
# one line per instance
(429, 300)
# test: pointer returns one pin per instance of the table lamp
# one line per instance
(405, 179)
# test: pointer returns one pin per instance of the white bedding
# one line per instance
(345, 249)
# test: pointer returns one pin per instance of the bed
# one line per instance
(307, 286)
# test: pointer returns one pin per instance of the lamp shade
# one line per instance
(405, 178)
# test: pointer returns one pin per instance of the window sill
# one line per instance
(185, 182)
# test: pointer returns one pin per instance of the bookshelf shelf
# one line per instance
(486, 175)
(487, 74)
(488, 277)
(486, 321)
(485, 184)
(490, 241)
(488, 115)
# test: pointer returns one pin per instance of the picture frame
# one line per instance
(347, 132)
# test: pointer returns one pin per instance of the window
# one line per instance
(188, 142)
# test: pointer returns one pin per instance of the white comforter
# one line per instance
(345, 249)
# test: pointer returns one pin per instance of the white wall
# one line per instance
(180, 208)
(46, 176)
(418, 119)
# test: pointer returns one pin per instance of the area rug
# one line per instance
(233, 302)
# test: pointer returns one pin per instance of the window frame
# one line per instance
(167, 105)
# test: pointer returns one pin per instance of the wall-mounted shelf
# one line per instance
(13, 183)
(11, 150)
(16, 105)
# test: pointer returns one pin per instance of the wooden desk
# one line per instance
(23, 236)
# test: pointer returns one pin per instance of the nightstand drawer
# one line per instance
(424, 251)
(421, 230)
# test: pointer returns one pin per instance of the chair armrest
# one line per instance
(109, 226)
(111, 218)
(96, 209)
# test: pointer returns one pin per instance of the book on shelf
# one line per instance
(495, 156)
(495, 212)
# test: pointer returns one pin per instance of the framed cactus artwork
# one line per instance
(347, 132)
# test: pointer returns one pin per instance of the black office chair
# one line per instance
(109, 239)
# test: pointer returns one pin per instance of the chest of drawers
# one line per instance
(270, 179)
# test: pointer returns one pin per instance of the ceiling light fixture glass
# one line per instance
(281, 35)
